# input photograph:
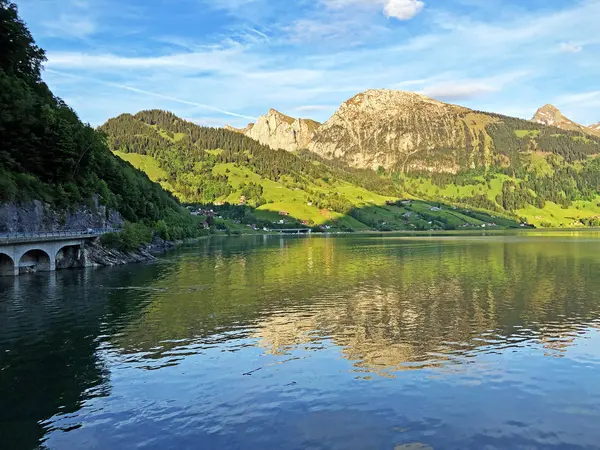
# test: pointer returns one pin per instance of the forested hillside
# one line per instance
(48, 154)
(214, 165)
(542, 176)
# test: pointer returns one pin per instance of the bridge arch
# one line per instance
(7, 265)
(69, 255)
(37, 259)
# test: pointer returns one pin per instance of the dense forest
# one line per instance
(48, 154)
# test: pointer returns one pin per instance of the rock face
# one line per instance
(402, 131)
(37, 216)
(279, 131)
(595, 127)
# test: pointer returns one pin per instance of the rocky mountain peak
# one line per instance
(384, 128)
(278, 130)
(548, 115)
(377, 96)
(552, 116)
(280, 116)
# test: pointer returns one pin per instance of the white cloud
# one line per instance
(466, 89)
(403, 9)
(217, 60)
(398, 9)
(155, 94)
(314, 108)
(459, 91)
(71, 26)
(584, 97)
(570, 47)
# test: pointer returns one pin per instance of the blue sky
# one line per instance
(228, 61)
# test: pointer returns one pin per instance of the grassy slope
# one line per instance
(556, 216)
(148, 165)
(426, 188)
(294, 202)
(551, 214)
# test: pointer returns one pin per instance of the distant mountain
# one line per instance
(551, 115)
(278, 131)
(407, 132)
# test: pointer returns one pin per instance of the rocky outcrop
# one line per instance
(37, 216)
(403, 131)
(97, 255)
(595, 127)
(279, 131)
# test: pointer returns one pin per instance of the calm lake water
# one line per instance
(353, 342)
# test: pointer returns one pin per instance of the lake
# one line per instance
(347, 342)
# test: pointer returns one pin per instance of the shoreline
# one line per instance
(96, 255)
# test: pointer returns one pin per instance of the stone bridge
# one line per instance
(43, 251)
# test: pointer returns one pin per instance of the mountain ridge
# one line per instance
(528, 173)
(409, 132)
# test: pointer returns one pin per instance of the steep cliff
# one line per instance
(277, 130)
(37, 216)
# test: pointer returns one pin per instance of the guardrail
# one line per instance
(46, 235)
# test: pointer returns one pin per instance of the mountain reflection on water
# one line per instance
(311, 342)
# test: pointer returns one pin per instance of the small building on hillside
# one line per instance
(284, 213)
